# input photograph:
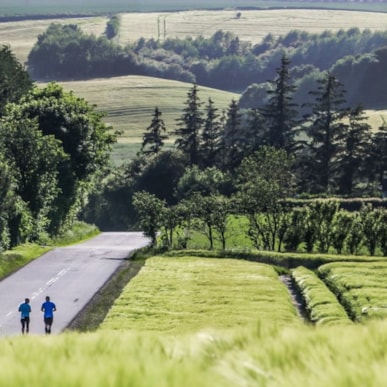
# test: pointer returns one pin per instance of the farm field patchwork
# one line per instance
(251, 26)
(189, 294)
(251, 336)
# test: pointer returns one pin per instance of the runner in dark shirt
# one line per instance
(48, 309)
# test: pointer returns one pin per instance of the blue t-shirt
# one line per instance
(25, 310)
(48, 308)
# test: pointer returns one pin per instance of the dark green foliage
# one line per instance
(84, 139)
(323, 128)
(280, 111)
(353, 147)
(155, 135)
(189, 127)
(112, 27)
(14, 79)
(150, 213)
(64, 51)
(160, 174)
(35, 161)
(210, 143)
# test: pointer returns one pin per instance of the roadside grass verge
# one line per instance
(188, 294)
(360, 287)
(322, 305)
(12, 260)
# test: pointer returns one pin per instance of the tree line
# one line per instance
(52, 145)
(221, 61)
(335, 151)
(250, 162)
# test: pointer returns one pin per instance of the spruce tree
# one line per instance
(210, 136)
(353, 148)
(233, 136)
(280, 112)
(323, 128)
(153, 138)
(189, 126)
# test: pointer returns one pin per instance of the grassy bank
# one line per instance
(12, 260)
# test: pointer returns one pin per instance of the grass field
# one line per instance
(130, 102)
(361, 286)
(189, 294)
(205, 322)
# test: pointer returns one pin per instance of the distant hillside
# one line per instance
(129, 103)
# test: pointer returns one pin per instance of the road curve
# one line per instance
(69, 275)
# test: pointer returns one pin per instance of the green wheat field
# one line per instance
(193, 321)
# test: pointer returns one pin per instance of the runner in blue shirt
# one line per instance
(48, 308)
(25, 310)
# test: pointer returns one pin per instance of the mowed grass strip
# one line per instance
(360, 286)
(321, 304)
(179, 295)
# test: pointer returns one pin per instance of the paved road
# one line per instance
(69, 275)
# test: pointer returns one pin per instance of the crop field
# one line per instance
(211, 322)
(189, 294)
(360, 286)
(251, 26)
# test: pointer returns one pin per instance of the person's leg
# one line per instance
(50, 325)
(23, 324)
(27, 321)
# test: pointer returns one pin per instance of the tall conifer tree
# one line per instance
(153, 138)
(189, 126)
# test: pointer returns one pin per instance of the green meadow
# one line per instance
(208, 322)
(188, 294)
(129, 104)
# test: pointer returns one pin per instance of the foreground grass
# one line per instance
(259, 356)
(177, 295)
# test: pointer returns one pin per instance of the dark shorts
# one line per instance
(48, 320)
(25, 320)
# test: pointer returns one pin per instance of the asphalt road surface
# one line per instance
(69, 275)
